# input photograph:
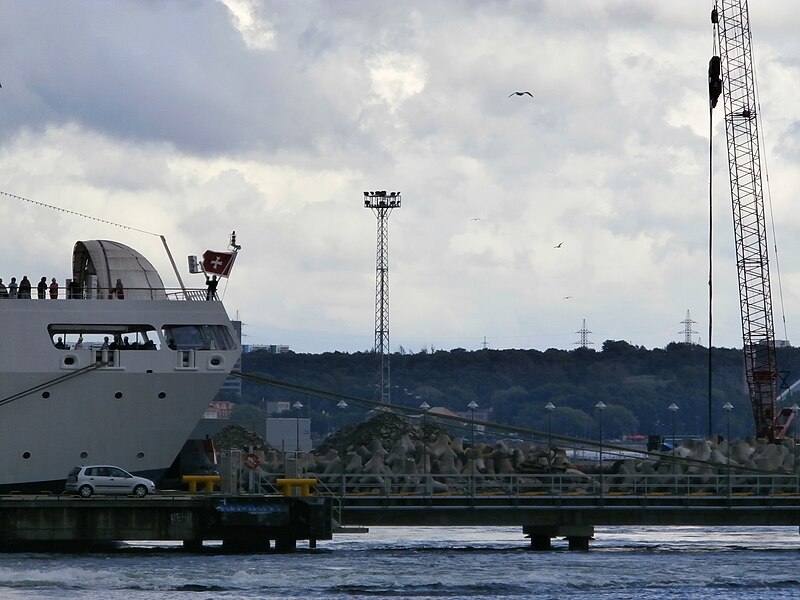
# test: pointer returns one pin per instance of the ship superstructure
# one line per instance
(116, 369)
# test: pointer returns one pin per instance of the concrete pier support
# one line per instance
(541, 542)
(193, 545)
(579, 543)
(577, 536)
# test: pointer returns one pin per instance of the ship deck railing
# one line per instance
(133, 293)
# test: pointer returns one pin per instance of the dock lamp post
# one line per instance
(298, 406)
(673, 408)
(795, 408)
(472, 406)
(728, 408)
(600, 406)
(424, 407)
(341, 405)
(549, 407)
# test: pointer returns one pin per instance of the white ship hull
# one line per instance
(132, 407)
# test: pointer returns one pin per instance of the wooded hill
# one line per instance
(636, 384)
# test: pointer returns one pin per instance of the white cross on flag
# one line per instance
(218, 263)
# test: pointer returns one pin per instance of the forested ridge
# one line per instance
(636, 384)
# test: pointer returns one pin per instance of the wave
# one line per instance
(435, 590)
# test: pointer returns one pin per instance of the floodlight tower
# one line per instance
(382, 204)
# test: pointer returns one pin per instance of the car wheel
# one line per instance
(140, 491)
(85, 491)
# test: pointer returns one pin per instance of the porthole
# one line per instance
(216, 362)
(118, 395)
(69, 360)
(45, 395)
(84, 454)
(149, 371)
(162, 395)
(26, 455)
(140, 455)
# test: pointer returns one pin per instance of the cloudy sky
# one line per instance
(194, 118)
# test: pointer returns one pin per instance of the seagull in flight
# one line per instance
(526, 93)
(567, 297)
(558, 245)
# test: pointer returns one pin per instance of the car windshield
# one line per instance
(74, 471)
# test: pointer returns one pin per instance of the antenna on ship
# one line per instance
(382, 204)
(174, 266)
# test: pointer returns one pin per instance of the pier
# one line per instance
(286, 511)
(244, 523)
(556, 506)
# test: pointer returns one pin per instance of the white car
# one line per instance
(106, 479)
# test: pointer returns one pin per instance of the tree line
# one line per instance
(636, 384)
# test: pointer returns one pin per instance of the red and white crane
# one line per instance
(732, 74)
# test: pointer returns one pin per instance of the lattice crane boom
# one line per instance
(735, 67)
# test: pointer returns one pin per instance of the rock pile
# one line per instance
(394, 454)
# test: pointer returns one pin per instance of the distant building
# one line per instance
(219, 409)
(276, 407)
(271, 348)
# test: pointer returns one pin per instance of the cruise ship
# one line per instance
(112, 369)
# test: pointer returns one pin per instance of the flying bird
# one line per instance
(558, 245)
(567, 297)
(520, 94)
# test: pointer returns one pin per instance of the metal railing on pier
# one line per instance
(556, 484)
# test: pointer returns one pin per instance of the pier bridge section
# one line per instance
(551, 506)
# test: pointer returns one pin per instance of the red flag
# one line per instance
(218, 263)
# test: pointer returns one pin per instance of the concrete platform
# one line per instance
(249, 523)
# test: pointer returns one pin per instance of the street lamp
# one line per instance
(472, 406)
(794, 409)
(424, 407)
(600, 406)
(728, 408)
(549, 407)
(297, 406)
(341, 405)
(673, 408)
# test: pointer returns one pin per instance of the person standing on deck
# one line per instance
(53, 289)
(42, 288)
(212, 288)
(25, 288)
(12, 288)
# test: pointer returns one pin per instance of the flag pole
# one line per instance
(174, 267)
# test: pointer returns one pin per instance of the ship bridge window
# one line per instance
(198, 337)
(75, 336)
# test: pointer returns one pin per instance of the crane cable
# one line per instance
(714, 87)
